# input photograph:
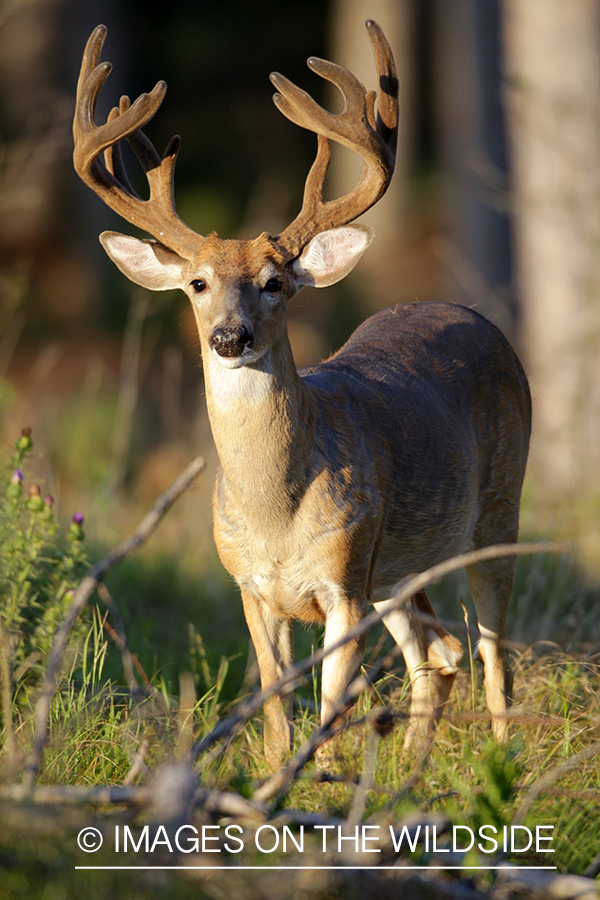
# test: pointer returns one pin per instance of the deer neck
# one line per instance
(262, 423)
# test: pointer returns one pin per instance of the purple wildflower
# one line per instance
(78, 518)
(17, 476)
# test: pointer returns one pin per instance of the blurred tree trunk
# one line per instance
(469, 116)
(35, 125)
(553, 68)
(36, 109)
(350, 47)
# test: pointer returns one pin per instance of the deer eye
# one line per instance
(273, 285)
(199, 285)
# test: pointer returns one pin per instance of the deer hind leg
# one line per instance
(432, 656)
(491, 585)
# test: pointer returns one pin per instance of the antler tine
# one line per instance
(387, 95)
(113, 159)
(91, 56)
(157, 214)
(356, 127)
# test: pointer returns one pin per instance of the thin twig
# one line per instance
(134, 659)
(138, 765)
(366, 779)
(149, 688)
(594, 867)
(83, 593)
(119, 635)
(225, 729)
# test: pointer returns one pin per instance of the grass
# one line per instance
(185, 625)
(97, 727)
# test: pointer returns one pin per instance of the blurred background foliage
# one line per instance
(494, 205)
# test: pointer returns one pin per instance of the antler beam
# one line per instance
(109, 180)
(356, 127)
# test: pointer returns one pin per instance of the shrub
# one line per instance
(39, 569)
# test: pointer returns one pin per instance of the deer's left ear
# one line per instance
(331, 255)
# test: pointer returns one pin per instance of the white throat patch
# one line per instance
(247, 382)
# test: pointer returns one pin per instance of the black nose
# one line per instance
(230, 340)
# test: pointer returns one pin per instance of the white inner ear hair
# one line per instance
(333, 249)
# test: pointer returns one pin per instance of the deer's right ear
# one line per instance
(331, 255)
(147, 263)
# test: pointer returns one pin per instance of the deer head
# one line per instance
(238, 288)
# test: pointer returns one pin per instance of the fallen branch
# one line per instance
(222, 803)
(83, 593)
(548, 885)
(594, 867)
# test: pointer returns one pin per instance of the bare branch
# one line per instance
(224, 803)
(138, 764)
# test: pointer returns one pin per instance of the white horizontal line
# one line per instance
(280, 868)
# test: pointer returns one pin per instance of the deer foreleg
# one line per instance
(273, 641)
(340, 666)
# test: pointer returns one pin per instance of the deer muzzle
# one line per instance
(231, 340)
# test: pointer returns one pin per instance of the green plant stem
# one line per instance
(6, 692)
(83, 593)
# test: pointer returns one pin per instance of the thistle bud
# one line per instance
(47, 513)
(15, 488)
(76, 528)
(25, 443)
(35, 502)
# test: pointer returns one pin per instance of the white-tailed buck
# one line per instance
(407, 447)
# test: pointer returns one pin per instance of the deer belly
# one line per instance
(401, 557)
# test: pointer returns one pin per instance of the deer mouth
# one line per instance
(249, 356)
